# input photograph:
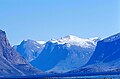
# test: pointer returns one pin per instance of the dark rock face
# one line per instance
(11, 62)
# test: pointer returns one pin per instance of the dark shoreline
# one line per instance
(85, 75)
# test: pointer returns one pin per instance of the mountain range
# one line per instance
(69, 54)
(58, 55)
(74, 54)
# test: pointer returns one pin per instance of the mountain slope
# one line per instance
(65, 54)
(107, 50)
(30, 49)
(106, 56)
(11, 63)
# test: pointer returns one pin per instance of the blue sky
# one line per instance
(46, 19)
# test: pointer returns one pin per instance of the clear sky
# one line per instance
(46, 19)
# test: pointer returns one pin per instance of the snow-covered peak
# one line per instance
(41, 42)
(71, 37)
(74, 40)
(95, 38)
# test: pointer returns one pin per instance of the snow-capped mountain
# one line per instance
(106, 56)
(65, 54)
(30, 49)
(11, 62)
(74, 40)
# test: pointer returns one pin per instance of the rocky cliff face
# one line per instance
(11, 62)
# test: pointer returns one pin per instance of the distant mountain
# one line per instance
(11, 62)
(30, 49)
(65, 54)
(106, 56)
